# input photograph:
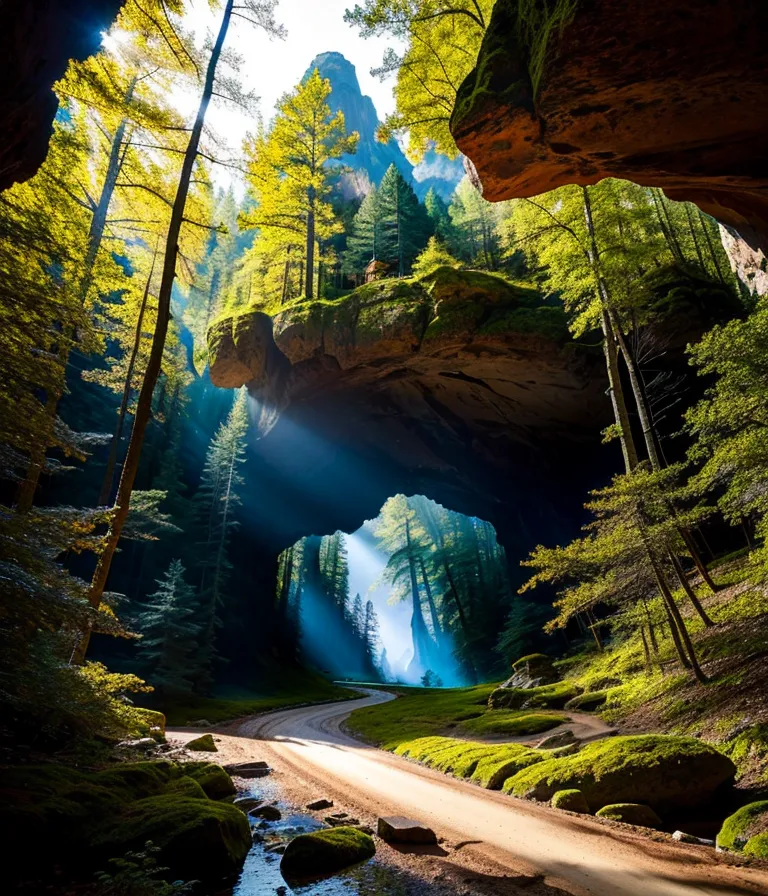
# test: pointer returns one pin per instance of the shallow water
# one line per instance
(261, 872)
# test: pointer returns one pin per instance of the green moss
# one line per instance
(197, 838)
(749, 747)
(748, 822)
(571, 800)
(486, 764)
(533, 662)
(152, 719)
(188, 788)
(553, 696)
(323, 852)
(588, 702)
(631, 813)
(513, 723)
(657, 770)
(216, 783)
(757, 846)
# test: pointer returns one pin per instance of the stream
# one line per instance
(261, 875)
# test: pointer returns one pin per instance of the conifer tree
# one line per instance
(371, 634)
(358, 618)
(364, 243)
(168, 650)
(404, 224)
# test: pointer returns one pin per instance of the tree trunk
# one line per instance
(690, 593)
(430, 602)
(310, 251)
(144, 406)
(695, 239)
(109, 473)
(710, 244)
(419, 632)
(646, 650)
(677, 251)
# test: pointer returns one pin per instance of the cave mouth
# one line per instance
(418, 595)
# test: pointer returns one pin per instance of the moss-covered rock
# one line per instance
(323, 852)
(757, 846)
(202, 744)
(492, 771)
(152, 720)
(211, 777)
(88, 817)
(658, 770)
(631, 813)
(748, 823)
(197, 838)
(552, 696)
(588, 702)
(571, 800)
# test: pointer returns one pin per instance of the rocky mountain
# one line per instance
(373, 157)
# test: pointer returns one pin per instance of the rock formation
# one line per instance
(749, 265)
(460, 387)
(668, 95)
(37, 40)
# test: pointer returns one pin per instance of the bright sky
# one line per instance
(272, 67)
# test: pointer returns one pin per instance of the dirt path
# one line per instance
(585, 726)
(520, 845)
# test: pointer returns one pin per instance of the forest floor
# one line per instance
(490, 843)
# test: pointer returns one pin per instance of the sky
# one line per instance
(271, 67)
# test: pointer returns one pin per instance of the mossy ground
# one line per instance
(747, 824)
(552, 696)
(422, 712)
(730, 711)
(289, 689)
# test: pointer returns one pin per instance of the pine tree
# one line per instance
(168, 650)
(358, 617)
(404, 224)
(440, 220)
(289, 174)
(216, 502)
(371, 634)
(365, 239)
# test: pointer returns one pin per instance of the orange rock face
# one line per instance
(667, 93)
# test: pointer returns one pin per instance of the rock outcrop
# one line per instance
(37, 40)
(750, 265)
(664, 94)
(461, 386)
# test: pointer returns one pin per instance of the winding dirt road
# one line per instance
(574, 855)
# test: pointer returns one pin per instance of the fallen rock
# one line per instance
(249, 769)
(337, 821)
(320, 804)
(631, 813)
(199, 723)
(398, 829)
(143, 743)
(561, 739)
(203, 744)
(276, 847)
(268, 813)
(658, 770)
(682, 837)
(257, 837)
(323, 852)
(570, 800)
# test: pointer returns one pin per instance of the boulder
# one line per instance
(748, 824)
(550, 696)
(661, 771)
(397, 829)
(531, 671)
(561, 739)
(199, 723)
(216, 783)
(268, 813)
(570, 800)
(324, 852)
(316, 805)
(203, 744)
(341, 819)
(588, 702)
(631, 813)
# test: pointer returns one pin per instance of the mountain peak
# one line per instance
(336, 67)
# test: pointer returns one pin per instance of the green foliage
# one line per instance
(739, 829)
(139, 874)
(662, 771)
(432, 257)
(403, 221)
(323, 852)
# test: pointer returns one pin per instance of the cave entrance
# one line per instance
(419, 595)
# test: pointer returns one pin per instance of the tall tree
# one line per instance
(404, 225)
(288, 170)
